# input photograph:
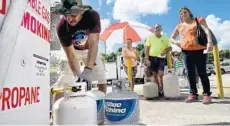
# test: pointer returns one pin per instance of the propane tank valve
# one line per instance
(76, 88)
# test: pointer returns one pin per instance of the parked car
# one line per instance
(224, 67)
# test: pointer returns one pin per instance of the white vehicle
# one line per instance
(225, 67)
(24, 62)
(115, 71)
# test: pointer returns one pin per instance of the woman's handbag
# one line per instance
(201, 35)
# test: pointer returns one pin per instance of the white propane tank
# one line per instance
(171, 85)
(99, 97)
(76, 108)
(150, 90)
(122, 105)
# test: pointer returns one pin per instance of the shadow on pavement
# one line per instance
(182, 98)
(163, 99)
(217, 124)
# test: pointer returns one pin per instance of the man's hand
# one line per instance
(209, 47)
(163, 53)
(148, 62)
(85, 76)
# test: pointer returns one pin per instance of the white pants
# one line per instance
(98, 72)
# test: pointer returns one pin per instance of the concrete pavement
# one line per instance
(177, 112)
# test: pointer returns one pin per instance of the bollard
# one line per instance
(130, 73)
(220, 90)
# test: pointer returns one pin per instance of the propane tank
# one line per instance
(122, 105)
(99, 97)
(171, 85)
(150, 90)
(75, 108)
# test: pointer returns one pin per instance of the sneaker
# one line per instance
(191, 98)
(207, 99)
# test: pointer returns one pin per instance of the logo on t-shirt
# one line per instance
(79, 39)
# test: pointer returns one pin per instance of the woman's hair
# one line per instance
(190, 13)
(130, 39)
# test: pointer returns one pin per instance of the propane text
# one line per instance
(15, 97)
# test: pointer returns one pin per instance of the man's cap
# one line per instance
(70, 7)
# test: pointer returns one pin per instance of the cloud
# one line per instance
(100, 2)
(105, 23)
(221, 30)
(138, 8)
(109, 2)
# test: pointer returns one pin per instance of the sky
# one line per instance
(164, 12)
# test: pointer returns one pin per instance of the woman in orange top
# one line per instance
(129, 52)
(193, 53)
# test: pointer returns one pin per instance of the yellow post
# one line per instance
(169, 60)
(220, 90)
(130, 73)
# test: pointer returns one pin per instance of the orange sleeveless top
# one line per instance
(188, 35)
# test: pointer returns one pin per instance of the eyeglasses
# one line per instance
(157, 27)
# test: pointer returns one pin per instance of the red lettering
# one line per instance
(37, 98)
(39, 7)
(33, 4)
(33, 95)
(32, 24)
(26, 20)
(43, 12)
(27, 99)
(5, 98)
(3, 7)
(14, 99)
(21, 95)
(39, 29)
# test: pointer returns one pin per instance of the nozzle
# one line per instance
(61, 90)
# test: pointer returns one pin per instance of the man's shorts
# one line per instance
(98, 72)
(157, 64)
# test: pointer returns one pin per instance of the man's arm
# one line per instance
(73, 62)
(147, 48)
(93, 49)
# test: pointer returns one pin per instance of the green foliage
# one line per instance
(112, 57)
(223, 54)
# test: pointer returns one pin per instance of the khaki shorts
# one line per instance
(98, 72)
